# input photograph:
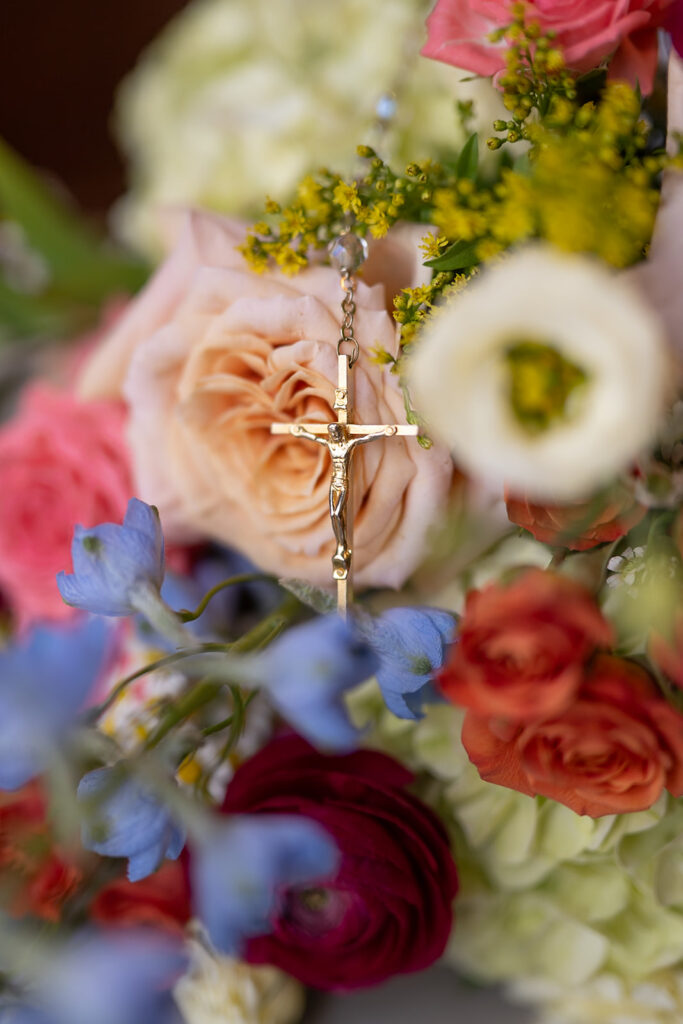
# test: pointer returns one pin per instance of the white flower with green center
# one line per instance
(547, 373)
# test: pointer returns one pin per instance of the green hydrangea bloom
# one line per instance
(547, 896)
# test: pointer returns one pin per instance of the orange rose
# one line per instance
(522, 647)
(578, 526)
(161, 900)
(37, 877)
(612, 752)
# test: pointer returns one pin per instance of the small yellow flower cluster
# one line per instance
(324, 204)
(535, 76)
(588, 185)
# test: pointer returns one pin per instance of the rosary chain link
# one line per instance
(349, 310)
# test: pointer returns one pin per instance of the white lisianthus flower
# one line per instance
(219, 990)
(547, 373)
(237, 99)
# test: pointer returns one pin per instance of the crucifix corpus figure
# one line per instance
(341, 448)
(342, 438)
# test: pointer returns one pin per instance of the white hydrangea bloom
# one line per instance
(237, 99)
(610, 999)
(546, 373)
(219, 990)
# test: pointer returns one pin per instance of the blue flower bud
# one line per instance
(306, 673)
(411, 645)
(239, 874)
(45, 679)
(115, 566)
(127, 821)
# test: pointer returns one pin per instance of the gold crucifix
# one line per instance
(341, 440)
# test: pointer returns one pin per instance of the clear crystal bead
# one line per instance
(386, 107)
(348, 252)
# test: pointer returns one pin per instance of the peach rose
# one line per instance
(521, 648)
(588, 31)
(212, 353)
(62, 462)
(581, 525)
(612, 752)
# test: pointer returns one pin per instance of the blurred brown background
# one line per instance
(60, 63)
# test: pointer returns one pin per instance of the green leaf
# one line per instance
(82, 267)
(34, 316)
(460, 256)
(320, 601)
(468, 161)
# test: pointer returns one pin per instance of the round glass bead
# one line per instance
(348, 252)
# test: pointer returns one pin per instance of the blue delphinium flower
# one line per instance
(45, 679)
(306, 673)
(115, 565)
(122, 978)
(126, 820)
(411, 645)
(239, 873)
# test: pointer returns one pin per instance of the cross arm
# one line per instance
(389, 429)
(294, 428)
(353, 429)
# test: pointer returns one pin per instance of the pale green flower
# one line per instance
(237, 99)
(518, 839)
(610, 999)
(644, 587)
(547, 896)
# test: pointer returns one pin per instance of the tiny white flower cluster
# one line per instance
(219, 990)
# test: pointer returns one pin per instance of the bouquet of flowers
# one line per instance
(446, 368)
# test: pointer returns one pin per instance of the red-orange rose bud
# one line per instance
(579, 526)
(613, 751)
(522, 647)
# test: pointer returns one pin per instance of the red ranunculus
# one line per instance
(522, 647)
(579, 526)
(389, 910)
(161, 900)
(613, 751)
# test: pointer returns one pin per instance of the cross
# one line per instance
(341, 440)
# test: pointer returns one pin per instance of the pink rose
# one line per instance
(62, 462)
(588, 31)
(212, 353)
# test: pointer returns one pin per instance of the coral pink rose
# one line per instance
(212, 353)
(161, 900)
(62, 461)
(588, 31)
(614, 751)
(521, 648)
(37, 877)
(579, 526)
(389, 909)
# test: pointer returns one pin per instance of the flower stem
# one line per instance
(245, 577)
